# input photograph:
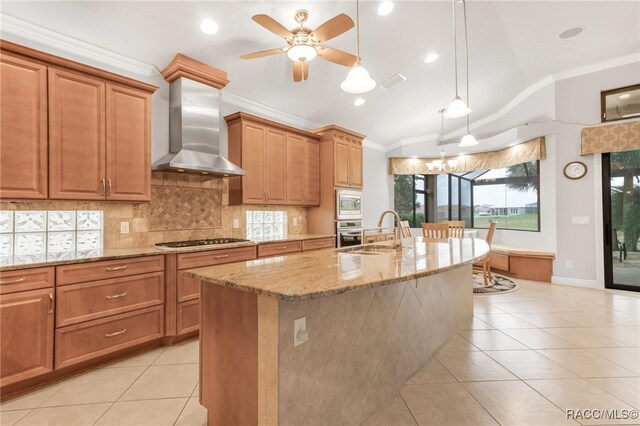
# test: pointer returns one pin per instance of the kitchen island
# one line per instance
(374, 315)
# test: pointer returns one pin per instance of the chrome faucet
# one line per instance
(397, 240)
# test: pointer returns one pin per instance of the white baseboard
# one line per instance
(577, 282)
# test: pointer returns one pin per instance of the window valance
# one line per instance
(532, 150)
(611, 138)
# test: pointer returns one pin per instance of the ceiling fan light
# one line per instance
(302, 53)
(457, 108)
(358, 81)
(468, 140)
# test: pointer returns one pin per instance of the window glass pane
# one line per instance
(465, 202)
(455, 198)
(420, 184)
(492, 174)
(403, 197)
(421, 212)
(442, 194)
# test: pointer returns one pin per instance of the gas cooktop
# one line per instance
(195, 243)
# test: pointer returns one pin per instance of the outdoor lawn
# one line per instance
(525, 222)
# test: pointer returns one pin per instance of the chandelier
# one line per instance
(442, 165)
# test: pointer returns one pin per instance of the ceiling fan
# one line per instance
(304, 44)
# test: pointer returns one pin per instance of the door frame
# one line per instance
(607, 228)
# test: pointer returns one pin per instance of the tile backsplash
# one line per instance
(182, 207)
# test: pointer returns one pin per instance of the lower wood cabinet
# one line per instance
(26, 335)
(188, 318)
(81, 342)
(321, 243)
(276, 249)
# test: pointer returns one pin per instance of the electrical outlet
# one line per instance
(124, 227)
(300, 331)
(236, 224)
(295, 221)
(569, 264)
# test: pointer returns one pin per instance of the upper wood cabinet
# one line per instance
(23, 128)
(97, 133)
(344, 148)
(281, 162)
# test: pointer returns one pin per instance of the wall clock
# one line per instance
(575, 170)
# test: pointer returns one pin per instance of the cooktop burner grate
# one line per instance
(195, 243)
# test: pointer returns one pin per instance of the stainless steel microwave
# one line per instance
(348, 204)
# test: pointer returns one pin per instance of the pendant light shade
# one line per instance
(468, 140)
(457, 108)
(358, 81)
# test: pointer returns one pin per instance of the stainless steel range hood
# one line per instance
(194, 131)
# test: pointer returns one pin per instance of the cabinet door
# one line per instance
(312, 173)
(26, 335)
(296, 170)
(341, 163)
(128, 121)
(23, 129)
(253, 144)
(355, 165)
(76, 136)
(275, 170)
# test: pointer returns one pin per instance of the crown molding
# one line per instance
(600, 66)
(374, 145)
(258, 108)
(46, 37)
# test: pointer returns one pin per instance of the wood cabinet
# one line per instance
(26, 335)
(23, 128)
(99, 143)
(70, 131)
(280, 248)
(282, 163)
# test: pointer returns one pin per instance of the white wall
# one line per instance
(377, 195)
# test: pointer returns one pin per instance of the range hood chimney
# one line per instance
(194, 120)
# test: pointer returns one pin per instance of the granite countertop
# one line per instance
(298, 237)
(326, 272)
(9, 263)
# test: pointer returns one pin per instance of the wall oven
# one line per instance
(349, 233)
(348, 204)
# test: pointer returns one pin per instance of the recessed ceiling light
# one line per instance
(431, 57)
(624, 96)
(207, 26)
(571, 32)
(385, 8)
(359, 101)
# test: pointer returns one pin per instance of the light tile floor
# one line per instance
(524, 358)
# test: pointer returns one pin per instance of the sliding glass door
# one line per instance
(621, 195)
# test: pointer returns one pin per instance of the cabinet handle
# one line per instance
(116, 296)
(281, 247)
(50, 303)
(264, 195)
(17, 280)
(320, 243)
(268, 195)
(116, 268)
(222, 256)
(104, 186)
(116, 333)
(108, 186)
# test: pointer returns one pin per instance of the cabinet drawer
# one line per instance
(188, 317)
(275, 249)
(499, 261)
(26, 279)
(215, 257)
(84, 272)
(88, 301)
(82, 342)
(318, 244)
(188, 287)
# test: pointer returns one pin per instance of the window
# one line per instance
(508, 196)
(410, 198)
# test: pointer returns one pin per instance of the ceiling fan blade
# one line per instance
(261, 53)
(333, 28)
(272, 25)
(300, 71)
(336, 56)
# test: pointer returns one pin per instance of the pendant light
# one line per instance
(457, 108)
(468, 139)
(358, 80)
